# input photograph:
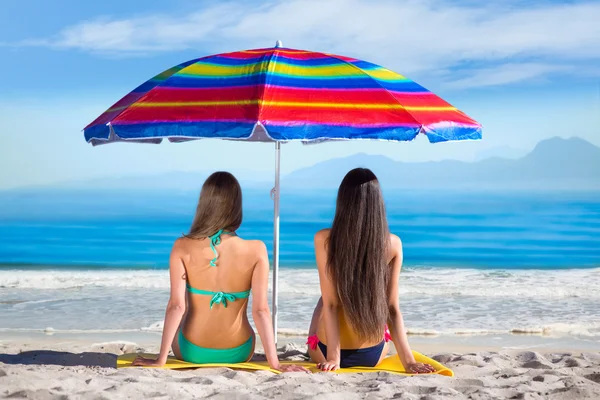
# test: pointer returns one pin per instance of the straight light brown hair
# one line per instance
(357, 253)
(219, 206)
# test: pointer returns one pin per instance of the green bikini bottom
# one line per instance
(203, 355)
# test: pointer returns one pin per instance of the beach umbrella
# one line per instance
(279, 95)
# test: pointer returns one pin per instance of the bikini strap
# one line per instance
(219, 297)
(215, 240)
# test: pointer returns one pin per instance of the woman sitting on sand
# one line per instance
(212, 273)
(359, 264)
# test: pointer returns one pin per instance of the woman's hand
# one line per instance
(147, 362)
(329, 365)
(419, 368)
(291, 368)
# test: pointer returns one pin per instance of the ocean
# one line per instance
(476, 263)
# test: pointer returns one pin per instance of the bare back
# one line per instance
(348, 337)
(219, 326)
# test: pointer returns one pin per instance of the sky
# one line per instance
(526, 70)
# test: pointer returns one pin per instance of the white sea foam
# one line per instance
(50, 330)
(60, 279)
(552, 330)
(581, 283)
(589, 329)
(434, 301)
(155, 327)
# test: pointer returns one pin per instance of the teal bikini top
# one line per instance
(218, 297)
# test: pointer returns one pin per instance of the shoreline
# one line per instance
(425, 344)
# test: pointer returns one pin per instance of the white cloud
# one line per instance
(505, 74)
(413, 36)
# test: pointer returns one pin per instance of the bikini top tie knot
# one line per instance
(221, 298)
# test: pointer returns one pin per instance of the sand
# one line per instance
(59, 369)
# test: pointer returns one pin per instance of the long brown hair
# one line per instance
(219, 206)
(357, 253)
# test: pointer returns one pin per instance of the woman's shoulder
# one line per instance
(395, 240)
(180, 243)
(181, 248)
(252, 245)
(395, 245)
(322, 235)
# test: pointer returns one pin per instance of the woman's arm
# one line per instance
(396, 322)
(314, 322)
(260, 307)
(330, 306)
(262, 314)
(174, 313)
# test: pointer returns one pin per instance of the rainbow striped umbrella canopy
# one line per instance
(280, 94)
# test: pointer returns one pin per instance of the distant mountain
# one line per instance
(500, 152)
(553, 164)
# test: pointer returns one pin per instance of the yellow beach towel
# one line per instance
(390, 364)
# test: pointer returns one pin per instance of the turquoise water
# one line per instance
(486, 264)
(136, 230)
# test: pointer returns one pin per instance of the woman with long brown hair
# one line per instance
(212, 273)
(359, 263)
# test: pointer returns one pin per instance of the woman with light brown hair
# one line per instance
(359, 264)
(212, 273)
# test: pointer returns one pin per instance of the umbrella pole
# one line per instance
(276, 240)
